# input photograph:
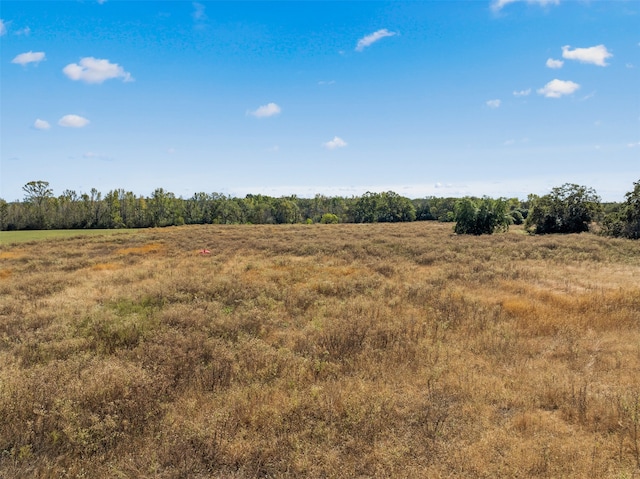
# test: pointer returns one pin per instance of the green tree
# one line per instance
(569, 208)
(393, 208)
(286, 211)
(38, 196)
(625, 222)
(481, 216)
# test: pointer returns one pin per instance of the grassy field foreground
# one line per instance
(320, 351)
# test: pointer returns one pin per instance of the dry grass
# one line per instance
(320, 351)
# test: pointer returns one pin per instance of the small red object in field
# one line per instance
(205, 251)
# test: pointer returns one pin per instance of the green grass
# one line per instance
(12, 237)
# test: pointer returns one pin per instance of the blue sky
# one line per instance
(445, 98)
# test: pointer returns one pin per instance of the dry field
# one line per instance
(322, 351)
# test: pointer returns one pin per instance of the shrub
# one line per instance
(329, 218)
(483, 216)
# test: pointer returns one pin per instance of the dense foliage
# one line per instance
(481, 216)
(568, 208)
(40, 209)
(625, 222)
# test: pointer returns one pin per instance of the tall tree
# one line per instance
(38, 196)
(569, 208)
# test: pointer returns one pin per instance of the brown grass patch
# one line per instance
(141, 250)
(312, 351)
(15, 254)
(105, 266)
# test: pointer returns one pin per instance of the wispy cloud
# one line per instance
(90, 155)
(497, 5)
(526, 92)
(555, 64)
(29, 57)
(3, 27)
(494, 103)
(368, 40)
(26, 31)
(41, 124)
(95, 70)
(199, 14)
(557, 88)
(265, 111)
(595, 55)
(73, 121)
(337, 142)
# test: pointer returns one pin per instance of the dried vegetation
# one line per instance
(320, 351)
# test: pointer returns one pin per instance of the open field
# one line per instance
(12, 237)
(384, 350)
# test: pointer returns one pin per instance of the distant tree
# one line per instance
(365, 208)
(569, 208)
(625, 221)
(393, 208)
(423, 209)
(286, 211)
(38, 196)
(259, 209)
(387, 207)
(481, 216)
(442, 209)
(4, 214)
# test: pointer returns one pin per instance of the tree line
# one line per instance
(566, 209)
(41, 209)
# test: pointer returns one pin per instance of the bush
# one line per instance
(329, 218)
(481, 216)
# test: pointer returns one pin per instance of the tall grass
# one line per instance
(396, 350)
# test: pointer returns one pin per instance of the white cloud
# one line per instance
(73, 121)
(337, 142)
(26, 31)
(633, 145)
(29, 57)
(3, 27)
(95, 70)
(557, 88)
(372, 38)
(41, 124)
(265, 111)
(595, 55)
(494, 103)
(497, 5)
(526, 92)
(555, 64)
